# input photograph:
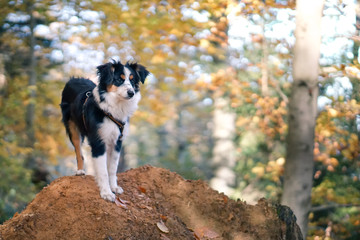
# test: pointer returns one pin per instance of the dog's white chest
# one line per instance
(109, 132)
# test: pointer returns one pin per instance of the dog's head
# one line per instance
(121, 81)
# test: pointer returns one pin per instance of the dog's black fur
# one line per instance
(100, 114)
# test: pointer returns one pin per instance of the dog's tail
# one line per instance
(65, 110)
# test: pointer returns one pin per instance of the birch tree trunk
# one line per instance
(298, 175)
(224, 149)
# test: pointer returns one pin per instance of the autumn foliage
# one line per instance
(194, 60)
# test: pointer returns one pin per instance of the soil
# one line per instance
(156, 204)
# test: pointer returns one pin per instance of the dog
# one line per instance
(100, 114)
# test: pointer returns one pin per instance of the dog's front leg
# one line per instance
(113, 161)
(102, 177)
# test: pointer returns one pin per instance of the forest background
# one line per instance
(214, 108)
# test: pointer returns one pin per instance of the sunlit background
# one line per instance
(214, 107)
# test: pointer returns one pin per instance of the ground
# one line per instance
(156, 204)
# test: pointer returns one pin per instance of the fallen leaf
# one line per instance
(120, 204)
(144, 206)
(164, 218)
(196, 236)
(226, 199)
(140, 195)
(142, 189)
(204, 232)
(198, 233)
(210, 234)
(162, 227)
(123, 201)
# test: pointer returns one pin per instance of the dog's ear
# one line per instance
(105, 73)
(140, 70)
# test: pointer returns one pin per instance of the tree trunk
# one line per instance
(357, 25)
(2, 73)
(299, 165)
(224, 149)
(122, 163)
(264, 65)
(163, 144)
(30, 110)
(40, 173)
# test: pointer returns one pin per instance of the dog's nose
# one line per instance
(130, 93)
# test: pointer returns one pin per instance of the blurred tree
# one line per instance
(196, 62)
(29, 122)
(258, 89)
(299, 165)
(261, 121)
(30, 110)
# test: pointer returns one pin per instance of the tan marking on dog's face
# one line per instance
(111, 88)
(122, 76)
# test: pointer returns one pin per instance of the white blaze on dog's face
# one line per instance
(119, 87)
(123, 85)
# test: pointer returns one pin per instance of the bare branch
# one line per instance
(330, 206)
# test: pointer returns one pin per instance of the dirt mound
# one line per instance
(156, 204)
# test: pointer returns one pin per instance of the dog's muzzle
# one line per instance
(130, 93)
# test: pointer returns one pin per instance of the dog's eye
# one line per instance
(131, 77)
(123, 76)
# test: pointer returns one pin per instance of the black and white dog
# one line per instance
(100, 113)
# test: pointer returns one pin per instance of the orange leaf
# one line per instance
(143, 190)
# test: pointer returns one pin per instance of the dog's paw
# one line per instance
(109, 196)
(80, 172)
(117, 190)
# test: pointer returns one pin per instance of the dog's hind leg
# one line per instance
(75, 139)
